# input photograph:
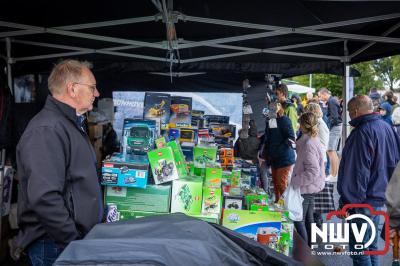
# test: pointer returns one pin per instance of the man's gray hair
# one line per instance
(68, 70)
(325, 91)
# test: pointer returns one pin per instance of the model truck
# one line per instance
(140, 139)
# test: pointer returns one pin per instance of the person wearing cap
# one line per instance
(385, 109)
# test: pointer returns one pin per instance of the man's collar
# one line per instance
(364, 118)
(65, 109)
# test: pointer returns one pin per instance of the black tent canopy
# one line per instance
(288, 37)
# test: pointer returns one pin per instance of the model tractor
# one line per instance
(139, 140)
(211, 203)
(157, 109)
(164, 170)
(185, 197)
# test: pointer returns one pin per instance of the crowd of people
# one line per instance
(317, 162)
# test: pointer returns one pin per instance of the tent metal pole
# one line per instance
(9, 61)
(108, 23)
(38, 57)
(347, 95)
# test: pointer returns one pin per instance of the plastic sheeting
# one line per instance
(173, 239)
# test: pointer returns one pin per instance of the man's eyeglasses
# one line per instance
(92, 87)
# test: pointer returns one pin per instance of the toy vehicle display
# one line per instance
(157, 109)
(140, 139)
(180, 108)
(164, 170)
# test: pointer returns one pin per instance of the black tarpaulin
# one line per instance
(173, 239)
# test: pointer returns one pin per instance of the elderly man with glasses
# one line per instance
(59, 198)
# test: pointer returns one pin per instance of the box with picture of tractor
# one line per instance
(157, 105)
(212, 199)
(179, 158)
(204, 156)
(163, 165)
(187, 195)
(138, 136)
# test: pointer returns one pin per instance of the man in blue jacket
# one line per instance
(369, 158)
(59, 195)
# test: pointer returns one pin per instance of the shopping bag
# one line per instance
(293, 202)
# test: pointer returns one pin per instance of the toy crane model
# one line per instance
(157, 109)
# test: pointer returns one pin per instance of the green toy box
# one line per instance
(129, 215)
(235, 178)
(285, 242)
(212, 200)
(201, 172)
(179, 158)
(226, 178)
(255, 202)
(154, 198)
(250, 223)
(207, 217)
(161, 142)
(213, 177)
(163, 165)
(187, 195)
(203, 156)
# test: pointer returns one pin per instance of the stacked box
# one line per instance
(163, 165)
(256, 200)
(207, 217)
(173, 133)
(181, 111)
(161, 143)
(152, 199)
(187, 195)
(125, 171)
(251, 223)
(212, 200)
(179, 158)
(188, 153)
(213, 177)
(187, 136)
(138, 136)
(157, 105)
(285, 242)
(233, 202)
(235, 178)
(204, 155)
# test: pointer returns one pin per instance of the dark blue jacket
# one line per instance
(368, 160)
(334, 112)
(276, 143)
(388, 116)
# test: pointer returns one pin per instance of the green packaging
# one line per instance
(204, 155)
(179, 158)
(187, 195)
(207, 217)
(213, 177)
(212, 200)
(152, 199)
(163, 165)
(161, 143)
(128, 215)
(257, 202)
(235, 178)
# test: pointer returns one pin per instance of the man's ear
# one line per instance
(71, 89)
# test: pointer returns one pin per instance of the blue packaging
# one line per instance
(125, 171)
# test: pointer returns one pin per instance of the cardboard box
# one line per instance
(233, 202)
(187, 195)
(213, 177)
(257, 201)
(161, 142)
(181, 111)
(207, 217)
(157, 105)
(188, 153)
(251, 223)
(179, 158)
(125, 171)
(138, 136)
(155, 198)
(217, 119)
(235, 178)
(204, 155)
(212, 200)
(163, 165)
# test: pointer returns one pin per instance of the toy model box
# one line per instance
(216, 119)
(256, 200)
(179, 158)
(181, 111)
(187, 152)
(213, 177)
(138, 136)
(128, 215)
(155, 198)
(188, 136)
(157, 105)
(235, 178)
(161, 142)
(163, 165)
(212, 200)
(197, 118)
(232, 202)
(187, 195)
(125, 171)
(204, 155)
(173, 134)
(251, 223)
(207, 217)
